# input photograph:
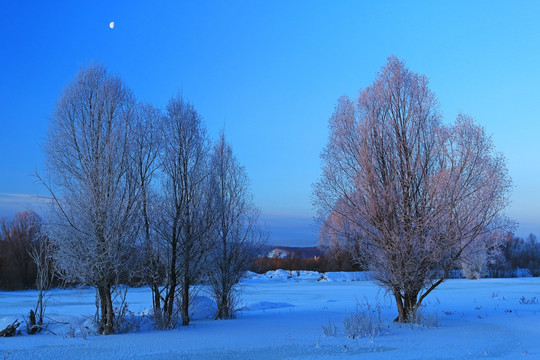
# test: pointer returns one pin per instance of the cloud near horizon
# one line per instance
(290, 230)
(11, 203)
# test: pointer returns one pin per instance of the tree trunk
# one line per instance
(39, 306)
(156, 298)
(107, 313)
(410, 306)
(399, 303)
(407, 306)
(224, 308)
(168, 305)
(109, 326)
(185, 302)
(223, 305)
(103, 310)
(168, 302)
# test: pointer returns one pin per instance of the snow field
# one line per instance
(282, 317)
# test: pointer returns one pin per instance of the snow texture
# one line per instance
(282, 315)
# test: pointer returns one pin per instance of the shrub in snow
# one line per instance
(127, 321)
(330, 329)
(163, 322)
(322, 277)
(525, 301)
(70, 333)
(426, 319)
(364, 322)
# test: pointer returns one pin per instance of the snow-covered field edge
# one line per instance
(285, 314)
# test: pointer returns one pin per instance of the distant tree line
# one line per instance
(325, 261)
(21, 234)
(513, 255)
(20, 237)
(516, 253)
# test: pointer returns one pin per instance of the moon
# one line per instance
(111, 25)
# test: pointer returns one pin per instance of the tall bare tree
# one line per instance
(186, 216)
(147, 145)
(237, 237)
(92, 183)
(416, 193)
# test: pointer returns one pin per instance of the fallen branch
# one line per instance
(10, 330)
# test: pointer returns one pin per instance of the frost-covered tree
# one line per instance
(94, 194)
(476, 257)
(186, 217)
(474, 261)
(415, 192)
(236, 237)
(146, 151)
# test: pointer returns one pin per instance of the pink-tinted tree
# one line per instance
(413, 193)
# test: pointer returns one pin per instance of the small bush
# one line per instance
(125, 320)
(70, 333)
(364, 322)
(164, 322)
(426, 319)
(85, 330)
(330, 329)
(525, 301)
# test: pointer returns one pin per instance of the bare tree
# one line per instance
(480, 255)
(93, 187)
(474, 260)
(42, 257)
(147, 143)
(186, 215)
(237, 237)
(417, 193)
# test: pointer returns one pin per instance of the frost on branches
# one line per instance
(95, 200)
(407, 193)
(138, 196)
(237, 237)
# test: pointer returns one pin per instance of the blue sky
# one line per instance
(270, 73)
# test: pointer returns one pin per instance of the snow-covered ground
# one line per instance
(282, 317)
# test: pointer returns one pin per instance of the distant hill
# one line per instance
(299, 252)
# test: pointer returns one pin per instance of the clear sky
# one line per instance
(270, 72)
